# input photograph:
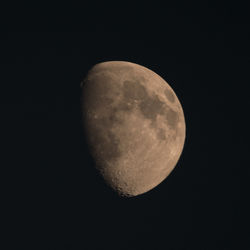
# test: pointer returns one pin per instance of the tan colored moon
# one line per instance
(134, 124)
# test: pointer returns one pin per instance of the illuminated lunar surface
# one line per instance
(134, 125)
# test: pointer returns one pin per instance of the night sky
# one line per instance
(53, 197)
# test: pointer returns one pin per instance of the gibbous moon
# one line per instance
(134, 125)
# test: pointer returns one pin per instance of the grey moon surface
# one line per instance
(134, 125)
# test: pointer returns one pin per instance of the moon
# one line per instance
(134, 125)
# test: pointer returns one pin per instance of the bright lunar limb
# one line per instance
(134, 125)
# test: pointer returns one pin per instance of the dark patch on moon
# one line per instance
(161, 134)
(172, 118)
(169, 95)
(150, 106)
(133, 91)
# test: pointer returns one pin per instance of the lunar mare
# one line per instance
(134, 125)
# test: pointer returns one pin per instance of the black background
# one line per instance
(53, 197)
